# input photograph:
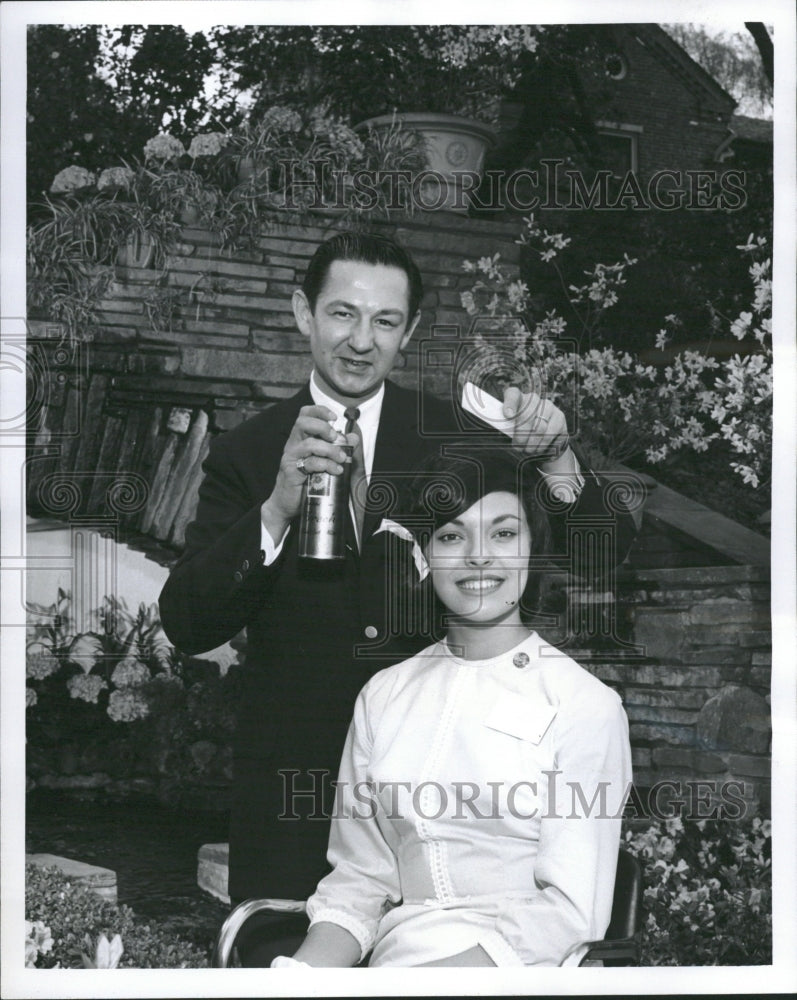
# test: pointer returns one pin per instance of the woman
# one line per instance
(477, 817)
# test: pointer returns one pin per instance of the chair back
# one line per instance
(626, 918)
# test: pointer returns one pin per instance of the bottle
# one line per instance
(322, 521)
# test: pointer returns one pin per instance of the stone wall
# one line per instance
(696, 688)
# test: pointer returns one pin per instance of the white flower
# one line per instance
(208, 144)
(31, 698)
(86, 687)
(661, 340)
(38, 939)
(71, 179)
(127, 705)
(130, 672)
(40, 662)
(281, 119)
(115, 177)
(163, 147)
(740, 326)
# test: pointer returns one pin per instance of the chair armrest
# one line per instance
(225, 939)
(623, 951)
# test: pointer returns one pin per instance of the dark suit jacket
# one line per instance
(315, 633)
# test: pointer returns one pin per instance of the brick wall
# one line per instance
(683, 123)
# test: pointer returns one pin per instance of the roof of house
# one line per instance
(751, 129)
(681, 63)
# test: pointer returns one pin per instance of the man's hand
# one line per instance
(319, 445)
(540, 429)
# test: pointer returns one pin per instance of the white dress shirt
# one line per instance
(471, 809)
(370, 411)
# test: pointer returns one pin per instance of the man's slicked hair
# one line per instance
(366, 249)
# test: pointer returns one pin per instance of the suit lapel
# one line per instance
(396, 452)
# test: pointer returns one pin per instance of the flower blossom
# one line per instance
(40, 662)
(130, 672)
(86, 687)
(207, 144)
(71, 179)
(38, 939)
(115, 177)
(127, 705)
(282, 119)
(163, 147)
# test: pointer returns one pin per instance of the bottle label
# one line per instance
(319, 484)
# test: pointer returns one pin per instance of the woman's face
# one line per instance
(480, 559)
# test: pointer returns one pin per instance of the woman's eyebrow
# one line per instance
(505, 517)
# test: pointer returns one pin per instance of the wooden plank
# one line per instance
(188, 505)
(159, 480)
(104, 477)
(178, 476)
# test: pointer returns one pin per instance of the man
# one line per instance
(316, 632)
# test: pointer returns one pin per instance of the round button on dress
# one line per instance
(371, 631)
(520, 660)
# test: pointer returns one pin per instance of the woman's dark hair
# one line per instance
(445, 487)
(367, 249)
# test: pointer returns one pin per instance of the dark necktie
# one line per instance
(359, 481)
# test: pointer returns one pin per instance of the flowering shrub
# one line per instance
(72, 179)
(708, 893)
(72, 928)
(38, 941)
(208, 144)
(163, 148)
(119, 703)
(116, 178)
(625, 408)
(86, 687)
(125, 705)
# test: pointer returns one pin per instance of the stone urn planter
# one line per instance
(455, 150)
(137, 251)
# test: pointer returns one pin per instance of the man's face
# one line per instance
(360, 323)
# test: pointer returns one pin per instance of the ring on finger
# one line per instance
(301, 467)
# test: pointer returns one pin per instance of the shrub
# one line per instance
(77, 918)
(708, 892)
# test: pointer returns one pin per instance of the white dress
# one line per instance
(479, 803)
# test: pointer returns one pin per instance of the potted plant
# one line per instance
(444, 81)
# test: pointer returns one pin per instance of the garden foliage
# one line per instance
(621, 407)
(71, 927)
(120, 703)
(707, 891)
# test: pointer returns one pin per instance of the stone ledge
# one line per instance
(101, 881)
(213, 869)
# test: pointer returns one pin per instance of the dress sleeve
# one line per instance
(364, 881)
(579, 840)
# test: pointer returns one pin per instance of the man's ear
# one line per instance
(302, 313)
(410, 329)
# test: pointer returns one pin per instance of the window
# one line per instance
(619, 147)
